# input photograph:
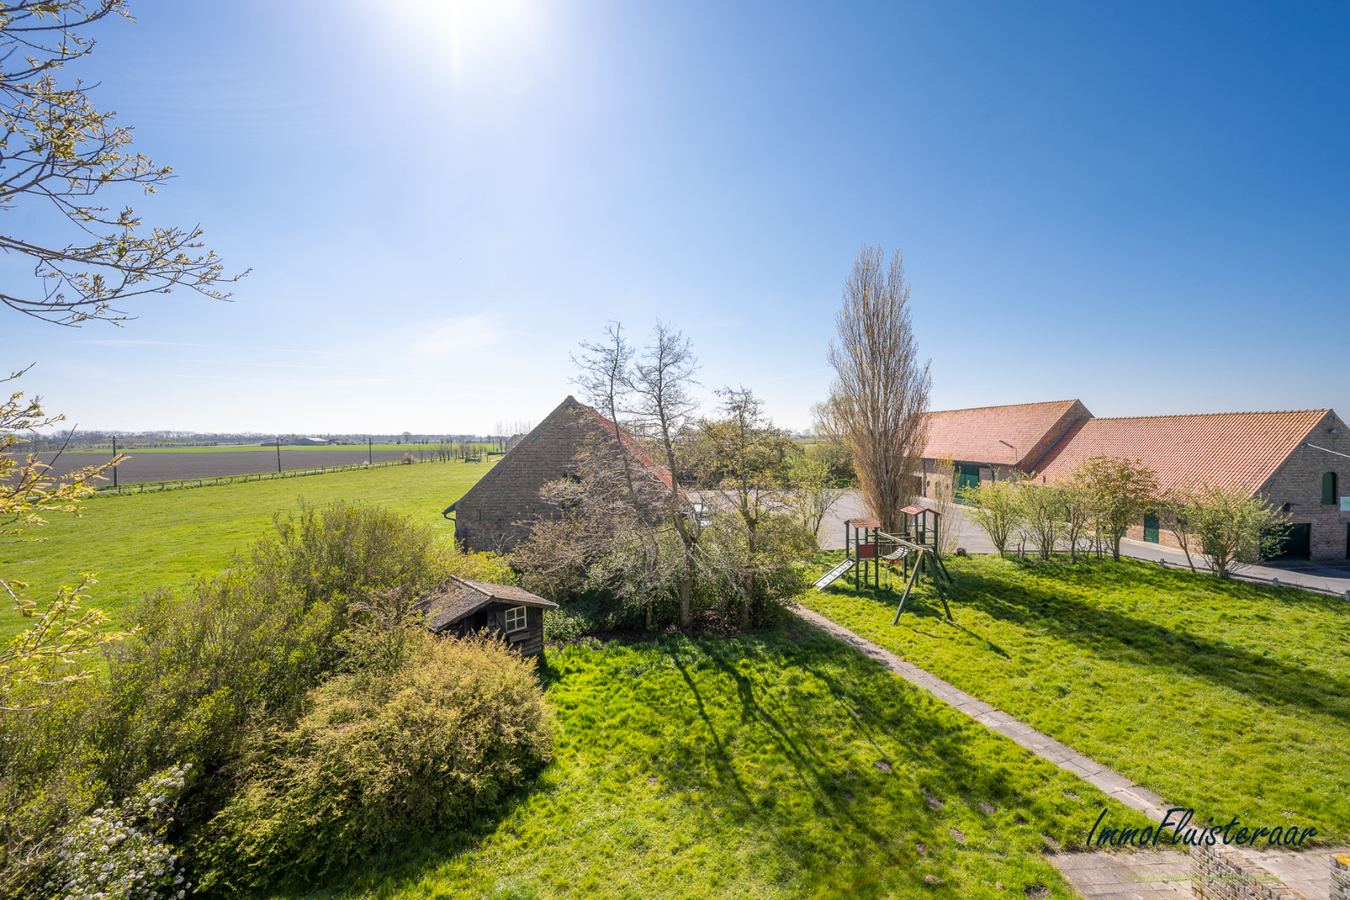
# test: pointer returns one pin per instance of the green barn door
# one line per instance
(1151, 528)
(967, 476)
(1297, 543)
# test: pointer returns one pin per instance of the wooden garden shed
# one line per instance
(462, 607)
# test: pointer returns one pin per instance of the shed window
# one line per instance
(1329, 489)
(515, 619)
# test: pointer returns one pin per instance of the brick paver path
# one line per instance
(1097, 875)
(1062, 755)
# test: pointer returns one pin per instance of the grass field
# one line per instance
(137, 543)
(1228, 697)
(247, 448)
(766, 766)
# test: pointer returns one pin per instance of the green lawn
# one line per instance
(140, 542)
(1228, 697)
(772, 765)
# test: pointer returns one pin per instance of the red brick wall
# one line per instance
(1299, 483)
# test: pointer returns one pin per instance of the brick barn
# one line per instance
(1298, 461)
(993, 441)
(498, 511)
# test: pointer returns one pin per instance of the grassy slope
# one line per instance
(1229, 697)
(140, 542)
(746, 767)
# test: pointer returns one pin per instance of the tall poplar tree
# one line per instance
(879, 399)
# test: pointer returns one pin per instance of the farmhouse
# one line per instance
(993, 441)
(461, 607)
(498, 511)
(1298, 460)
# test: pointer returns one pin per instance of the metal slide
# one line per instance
(833, 575)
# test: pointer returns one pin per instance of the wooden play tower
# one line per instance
(869, 552)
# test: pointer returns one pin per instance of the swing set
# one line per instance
(873, 554)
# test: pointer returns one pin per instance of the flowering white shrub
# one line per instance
(119, 853)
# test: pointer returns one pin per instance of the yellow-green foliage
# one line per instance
(450, 730)
(248, 644)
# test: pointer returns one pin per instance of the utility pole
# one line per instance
(114, 457)
(278, 454)
(370, 453)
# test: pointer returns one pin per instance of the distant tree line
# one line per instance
(85, 440)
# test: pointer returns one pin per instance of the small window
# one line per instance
(515, 619)
(1329, 489)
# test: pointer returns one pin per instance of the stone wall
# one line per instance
(1298, 483)
(1340, 877)
(1221, 873)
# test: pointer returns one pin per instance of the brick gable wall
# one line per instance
(498, 511)
(1298, 482)
(487, 517)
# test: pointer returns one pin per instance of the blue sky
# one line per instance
(1145, 206)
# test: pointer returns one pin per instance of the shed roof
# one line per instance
(1015, 435)
(1233, 450)
(455, 598)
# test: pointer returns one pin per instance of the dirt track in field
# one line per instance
(179, 466)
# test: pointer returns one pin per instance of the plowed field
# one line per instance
(177, 466)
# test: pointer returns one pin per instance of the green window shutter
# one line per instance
(1329, 489)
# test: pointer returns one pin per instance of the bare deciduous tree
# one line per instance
(945, 502)
(58, 151)
(663, 412)
(879, 397)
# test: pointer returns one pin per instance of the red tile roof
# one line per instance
(1015, 435)
(1219, 449)
(631, 445)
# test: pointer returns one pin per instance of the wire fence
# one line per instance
(152, 487)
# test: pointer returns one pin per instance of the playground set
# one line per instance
(873, 555)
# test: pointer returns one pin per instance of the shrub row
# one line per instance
(306, 719)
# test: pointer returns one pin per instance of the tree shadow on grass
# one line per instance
(1105, 631)
(901, 726)
(925, 607)
(774, 725)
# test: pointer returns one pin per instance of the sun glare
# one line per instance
(467, 40)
